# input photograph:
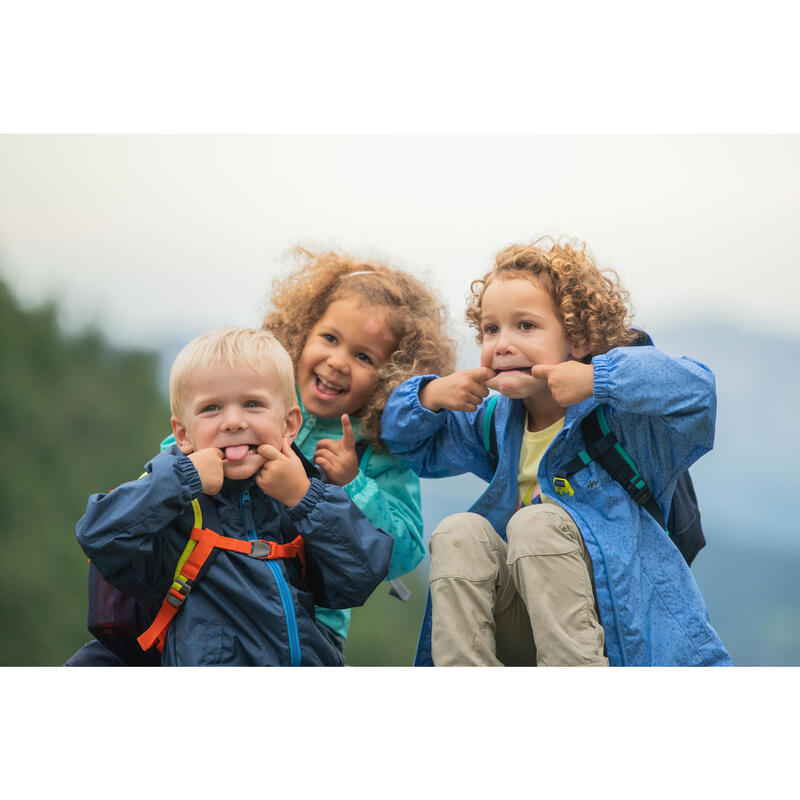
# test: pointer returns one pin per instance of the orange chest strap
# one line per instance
(205, 540)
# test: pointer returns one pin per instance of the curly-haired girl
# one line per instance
(531, 575)
(355, 330)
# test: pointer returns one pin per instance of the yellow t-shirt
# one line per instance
(534, 443)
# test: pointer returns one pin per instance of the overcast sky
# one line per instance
(157, 236)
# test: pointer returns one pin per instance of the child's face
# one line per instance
(338, 367)
(520, 330)
(235, 409)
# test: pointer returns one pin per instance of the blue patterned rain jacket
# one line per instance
(663, 412)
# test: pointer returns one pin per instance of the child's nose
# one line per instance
(338, 362)
(233, 420)
(504, 344)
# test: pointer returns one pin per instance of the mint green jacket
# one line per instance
(386, 492)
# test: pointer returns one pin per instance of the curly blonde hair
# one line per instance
(592, 305)
(415, 317)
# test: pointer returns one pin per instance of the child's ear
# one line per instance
(291, 423)
(181, 437)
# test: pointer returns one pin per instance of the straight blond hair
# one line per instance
(234, 347)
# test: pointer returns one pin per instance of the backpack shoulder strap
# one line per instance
(489, 432)
(602, 445)
(363, 452)
(202, 547)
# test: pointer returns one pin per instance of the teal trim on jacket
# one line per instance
(386, 492)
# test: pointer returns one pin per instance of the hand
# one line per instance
(338, 458)
(208, 464)
(569, 382)
(461, 391)
(282, 476)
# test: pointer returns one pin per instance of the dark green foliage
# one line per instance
(77, 417)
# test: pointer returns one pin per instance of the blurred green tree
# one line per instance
(78, 416)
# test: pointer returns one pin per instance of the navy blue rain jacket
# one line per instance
(242, 611)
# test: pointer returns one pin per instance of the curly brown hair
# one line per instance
(415, 317)
(592, 305)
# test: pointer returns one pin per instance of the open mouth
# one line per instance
(522, 370)
(325, 387)
(238, 452)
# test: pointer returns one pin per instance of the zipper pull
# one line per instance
(247, 514)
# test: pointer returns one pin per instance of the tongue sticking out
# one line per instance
(236, 452)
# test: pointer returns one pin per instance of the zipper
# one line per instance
(545, 462)
(246, 508)
(612, 596)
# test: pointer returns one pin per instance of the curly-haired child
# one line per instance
(529, 576)
(355, 330)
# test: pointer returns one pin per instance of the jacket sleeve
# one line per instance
(435, 444)
(125, 526)
(347, 556)
(663, 411)
(388, 494)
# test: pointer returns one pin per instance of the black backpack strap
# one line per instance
(361, 449)
(601, 445)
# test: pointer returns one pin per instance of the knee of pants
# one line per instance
(542, 530)
(464, 545)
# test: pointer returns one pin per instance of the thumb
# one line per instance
(286, 449)
(348, 437)
(483, 374)
(269, 452)
(542, 370)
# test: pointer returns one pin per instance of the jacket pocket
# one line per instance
(210, 645)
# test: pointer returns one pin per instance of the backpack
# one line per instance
(683, 524)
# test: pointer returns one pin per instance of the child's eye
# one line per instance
(364, 357)
(525, 325)
(252, 404)
(490, 329)
(210, 407)
(329, 337)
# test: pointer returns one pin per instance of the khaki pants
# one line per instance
(528, 602)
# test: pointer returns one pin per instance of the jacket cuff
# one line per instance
(187, 475)
(602, 378)
(312, 497)
(358, 484)
(425, 414)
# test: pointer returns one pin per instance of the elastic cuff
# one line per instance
(602, 378)
(418, 408)
(188, 475)
(358, 484)
(310, 499)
